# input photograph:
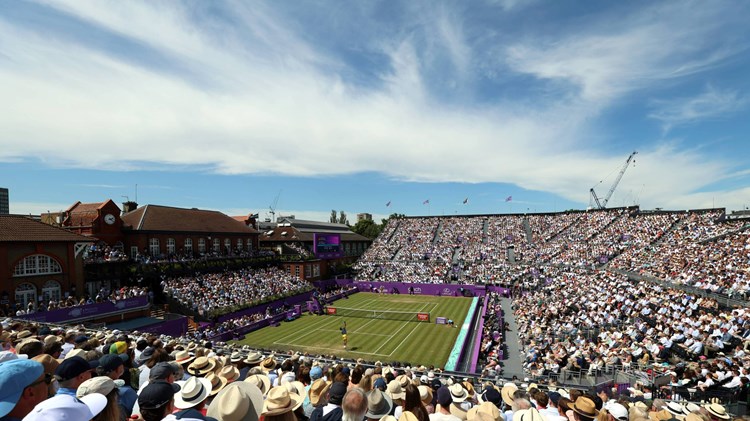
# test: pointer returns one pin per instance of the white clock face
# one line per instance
(109, 219)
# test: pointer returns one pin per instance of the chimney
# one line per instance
(129, 206)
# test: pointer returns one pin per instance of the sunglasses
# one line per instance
(47, 380)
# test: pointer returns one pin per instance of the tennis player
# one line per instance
(344, 338)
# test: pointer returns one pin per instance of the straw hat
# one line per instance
(201, 366)
(183, 357)
(676, 409)
(487, 408)
(718, 411)
(469, 388)
(261, 381)
(217, 383)
(378, 404)
(403, 380)
(394, 390)
(585, 406)
(532, 414)
(280, 401)
(458, 393)
(425, 394)
(294, 387)
(318, 391)
(507, 392)
(268, 364)
(235, 357)
(193, 391)
(253, 358)
(660, 415)
(230, 373)
(408, 416)
(239, 401)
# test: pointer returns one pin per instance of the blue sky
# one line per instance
(329, 105)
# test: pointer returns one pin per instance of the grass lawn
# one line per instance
(372, 339)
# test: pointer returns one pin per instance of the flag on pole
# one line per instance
(426, 202)
(466, 200)
(509, 198)
(388, 204)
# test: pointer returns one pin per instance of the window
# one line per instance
(201, 245)
(308, 271)
(25, 294)
(153, 246)
(227, 245)
(133, 252)
(37, 264)
(189, 246)
(51, 291)
(119, 246)
(170, 245)
(249, 244)
(316, 270)
(296, 271)
(239, 244)
(217, 245)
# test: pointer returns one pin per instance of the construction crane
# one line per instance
(272, 207)
(602, 204)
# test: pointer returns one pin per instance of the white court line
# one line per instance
(339, 349)
(397, 332)
(407, 336)
(313, 329)
(361, 333)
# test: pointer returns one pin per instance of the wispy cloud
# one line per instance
(255, 95)
(711, 104)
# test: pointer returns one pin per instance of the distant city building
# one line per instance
(4, 202)
(364, 217)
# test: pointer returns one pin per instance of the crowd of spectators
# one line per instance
(211, 294)
(69, 300)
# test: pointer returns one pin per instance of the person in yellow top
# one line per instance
(344, 338)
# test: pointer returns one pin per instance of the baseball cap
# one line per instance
(100, 384)
(336, 393)
(67, 407)
(73, 367)
(444, 397)
(81, 339)
(119, 347)
(15, 376)
(156, 394)
(618, 411)
(380, 384)
(316, 373)
(110, 362)
(160, 371)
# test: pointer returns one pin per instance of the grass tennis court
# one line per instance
(373, 338)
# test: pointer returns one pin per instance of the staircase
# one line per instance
(159, 312)
(527, 229)
(192, 326)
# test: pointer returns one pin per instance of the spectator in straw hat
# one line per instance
(717, 412)
(50, 364)
(280, 405)
(217, 384)
(230, 373)
(240, 401)
(460, 404)
(318, 395)
(261, 381)
(193, 395)
(378, 405)
(201, 366)
(530, 414)
(425, 395)
(331, 411)
(584, 409)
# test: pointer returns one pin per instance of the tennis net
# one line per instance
(406, 316)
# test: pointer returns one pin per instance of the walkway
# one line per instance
(512, 364)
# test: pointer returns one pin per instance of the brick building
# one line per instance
(38, 260)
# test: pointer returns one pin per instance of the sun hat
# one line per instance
(486, 408)
(660, 415)
(585, 406)
(201, 366)
(192, 392)
(74, 367)
(239, 401)
(618, 411)
(408, 416)
(717, 410)
(67, 407)
(15, 376)
(425, 394)
(50, 364)
(676, 409)
(458, 393)
(378, 404)
(530, 414)
(268, 364)
(99, 384)
(318, 390)
(280, 401)
(217, 383)
(261, 381)
(403, 380)
(507, 392)
(294, 387)
(230, 373)
(394, 390)
(336, 393)
(183, 357)
(388, 418)
(235, 357)
(253, 358)
(469, 388)
(75, 353)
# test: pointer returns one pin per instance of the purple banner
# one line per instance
(174, 328)
(451, 290)
(478, 340)
(293, 300)
(89, 311)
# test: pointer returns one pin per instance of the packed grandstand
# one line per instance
(619, 313)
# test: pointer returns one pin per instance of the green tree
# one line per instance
(342, 218)
(367, 228)
(334, 218)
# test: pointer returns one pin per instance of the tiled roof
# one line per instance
(83, 213)
(16, 228)
(166, 218)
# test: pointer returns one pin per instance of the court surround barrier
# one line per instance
(405, 316)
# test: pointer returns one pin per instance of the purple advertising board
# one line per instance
(451, 290)
(89, 311)
(175, 328)
(327, 246)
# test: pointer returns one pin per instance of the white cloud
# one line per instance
(36, 208)
(270, 103)
(711, 104)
